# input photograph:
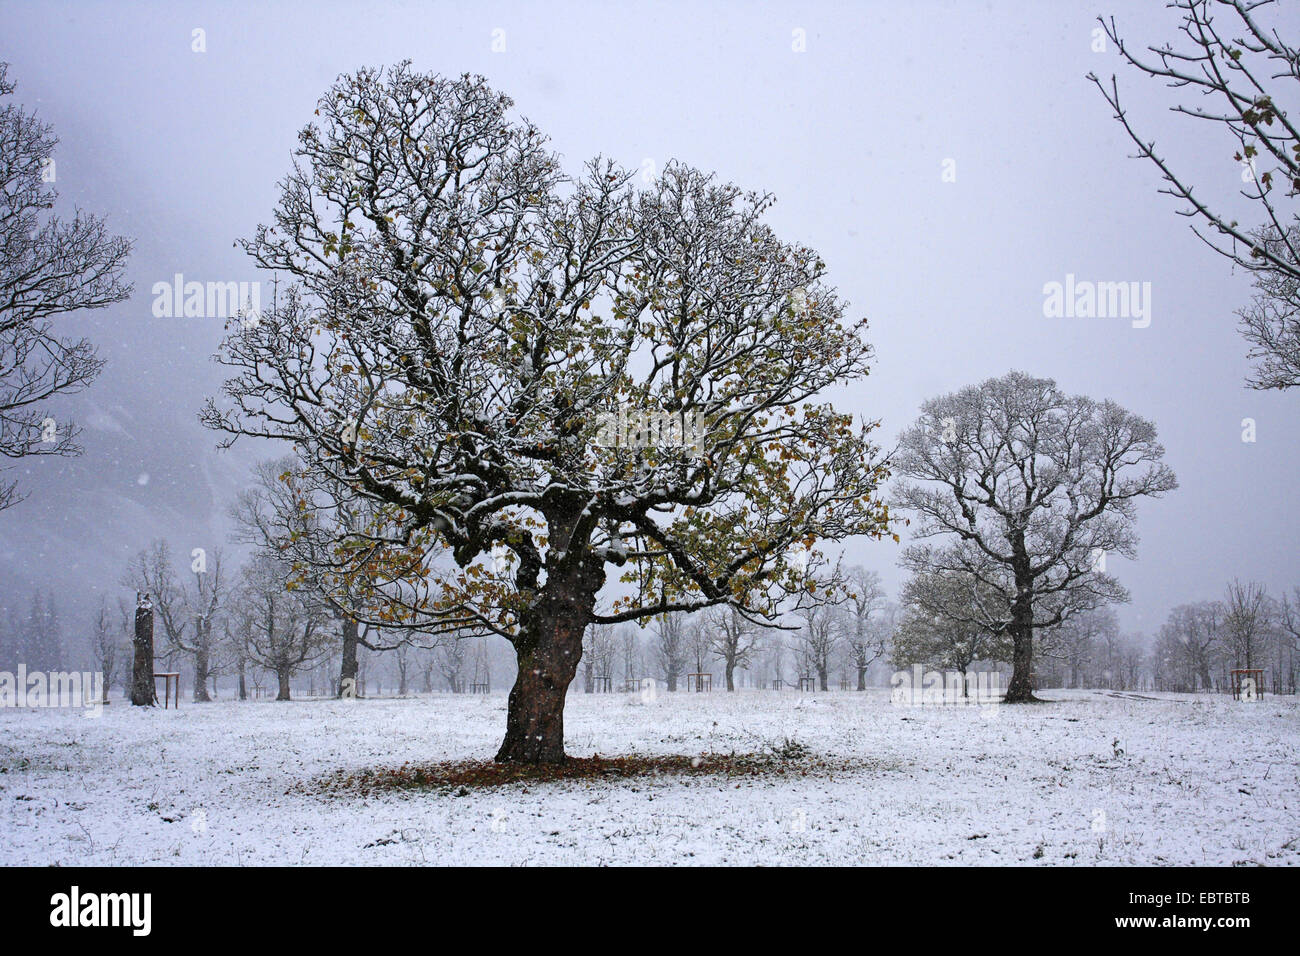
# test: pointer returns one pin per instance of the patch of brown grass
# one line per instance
(462, 776)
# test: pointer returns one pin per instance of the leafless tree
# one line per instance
(190, 615)
(1131, 660)
(819, 637)
(1288, 621)
(1078, 642)
(733, 638)
(699, 645)
(107, 645)
(672, 648)
(598, 650)
(1248, 623)
(450, 655)
(302, 520)
(403, 663)
(49, 267)
(1238, 77)
(278, 628)
(866, 602)
(1031, 490)
(1196, 633)
(631, 648)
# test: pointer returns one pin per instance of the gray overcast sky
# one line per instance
(182, 150)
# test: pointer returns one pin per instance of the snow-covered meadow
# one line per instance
(1094, 777)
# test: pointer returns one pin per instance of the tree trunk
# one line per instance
(822, 678)
(348, 670)
(202, 671)
(143, 692)
(672, 683)
(243, 684)
(548, 660)
(862, 677)
(548, 648)
(1021, 688)
(283, 676)
(731, 675)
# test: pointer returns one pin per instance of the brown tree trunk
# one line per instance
(731, 676)
(862, 677)
(349, 669)
(283, 676)
(143, 692)
(243, 682)
(548, 648)
(822, 678)
(548, 660)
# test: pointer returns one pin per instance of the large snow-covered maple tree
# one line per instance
(543, 383)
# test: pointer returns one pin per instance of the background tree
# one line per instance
(865, 605)
(1195, 634)
(404, 664)
(11, 653)
(1033, 490)
(1289, 639)
(938, 628)
(106, 644)
(1249, 616)
(672, 649)
(1078, 640)
(450, 655)
(732, 639)
(278, 628)
(1131, 661)
(699, 646)
(630, 646)
(302, 520)
(598, 650)
(189, 614)
(41, 637)
(48, 268)
(467, 320)
(819, 636)
(1243, 74)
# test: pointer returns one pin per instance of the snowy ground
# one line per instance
(1093, 778)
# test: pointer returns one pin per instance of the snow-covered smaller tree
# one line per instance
(863, 610)
(278, 627)
(937, 629)
(1028, 492)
